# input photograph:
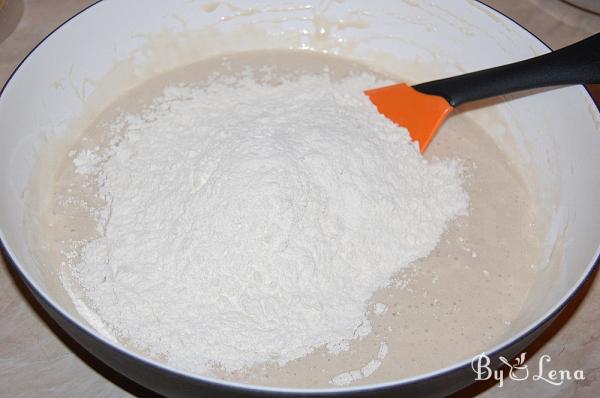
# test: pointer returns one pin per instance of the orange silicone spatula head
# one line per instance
(423, 107)
(420, 113)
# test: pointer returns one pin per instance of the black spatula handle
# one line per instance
(578, 63)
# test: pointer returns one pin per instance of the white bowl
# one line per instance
(115, 44)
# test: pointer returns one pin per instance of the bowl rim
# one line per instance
(529, 330)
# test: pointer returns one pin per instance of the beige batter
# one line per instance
(445, 308)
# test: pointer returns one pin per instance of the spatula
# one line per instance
(423, 108)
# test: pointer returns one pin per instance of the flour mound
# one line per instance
(249, 222)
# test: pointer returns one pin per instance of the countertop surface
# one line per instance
(38, 359)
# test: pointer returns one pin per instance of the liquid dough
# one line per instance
(448, 307)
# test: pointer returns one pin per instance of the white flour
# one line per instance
(249, 223)
(350, 377)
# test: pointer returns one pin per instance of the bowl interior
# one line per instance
(83, 66)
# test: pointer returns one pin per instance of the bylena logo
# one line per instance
(518, 370)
